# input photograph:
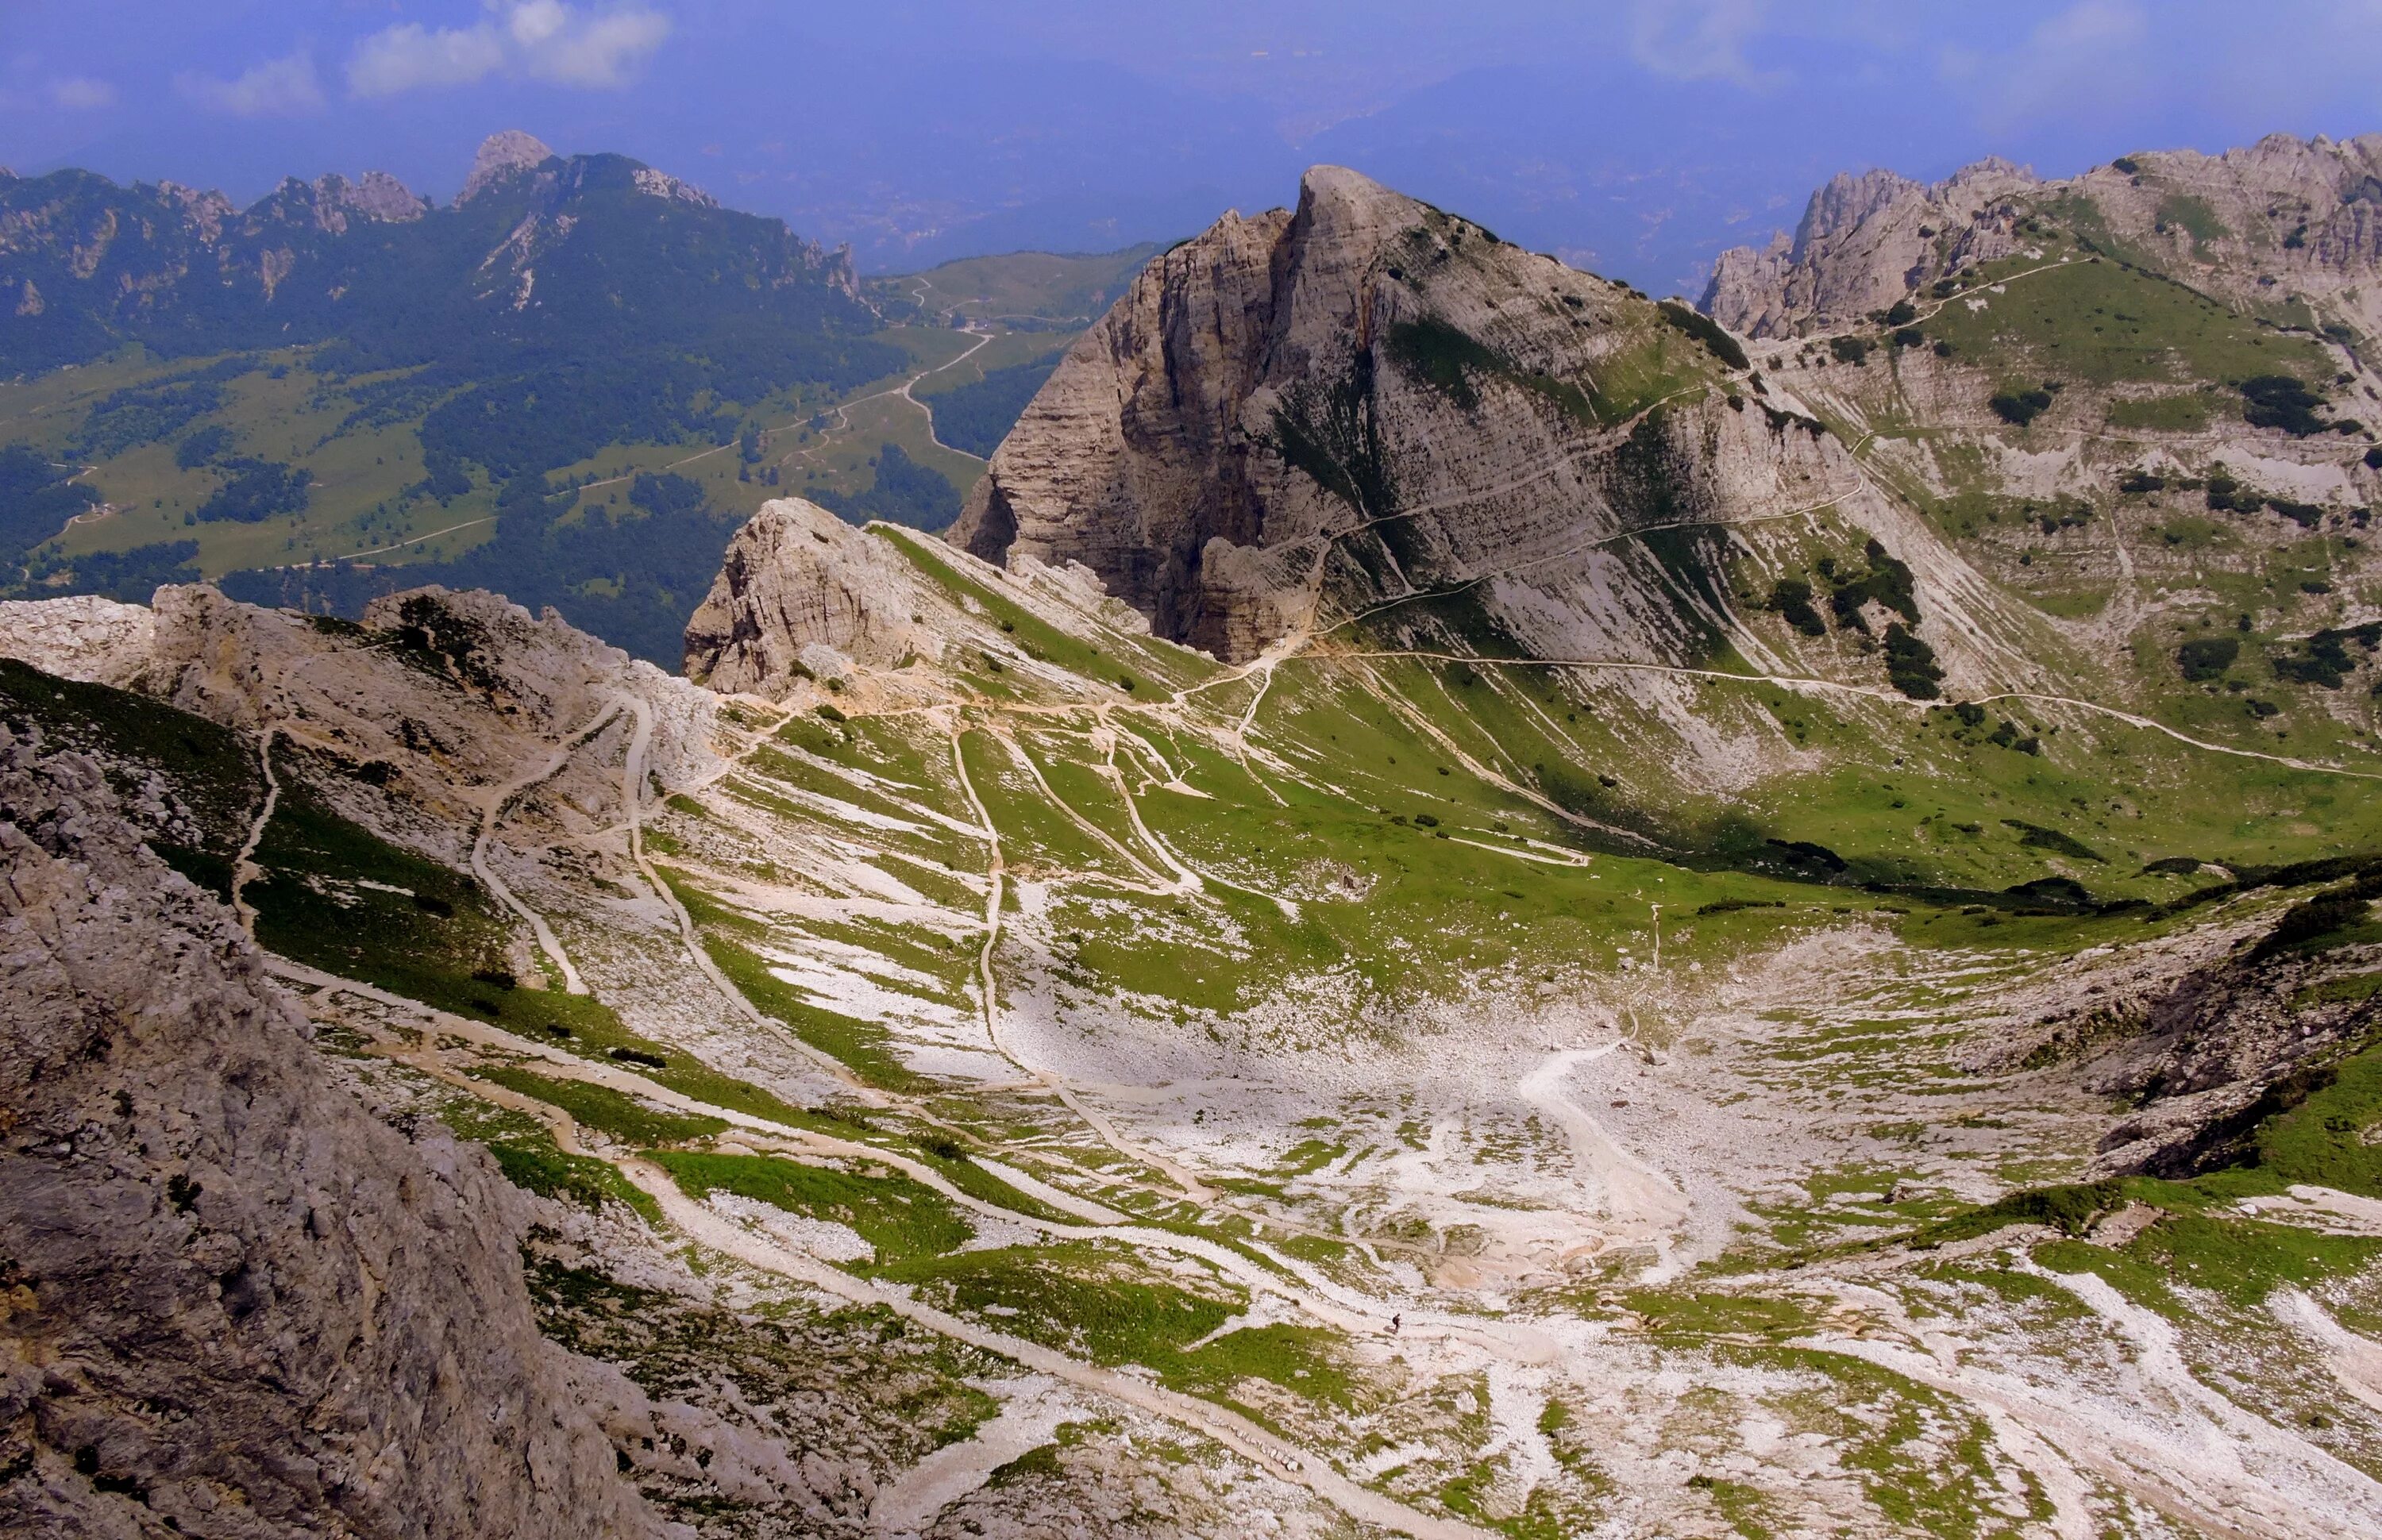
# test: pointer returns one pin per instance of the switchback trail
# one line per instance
(1870, 692)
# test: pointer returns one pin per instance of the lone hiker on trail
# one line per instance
(1395, 1320)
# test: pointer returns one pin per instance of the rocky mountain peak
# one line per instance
(500, 157)
(796, 578)
(1297, 418)
(2284, 217)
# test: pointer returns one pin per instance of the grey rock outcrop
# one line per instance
(2283, 218)
(440, 693)
(235, 1304)
(797, 576)
(1866, 241)
(375, 196)
(84, 636)
(501, 155)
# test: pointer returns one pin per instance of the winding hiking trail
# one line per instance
(1870, 692)
(244, 869)
(492, 808)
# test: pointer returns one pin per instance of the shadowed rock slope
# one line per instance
(235, 1302)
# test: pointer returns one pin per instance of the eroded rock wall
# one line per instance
(234, 1303)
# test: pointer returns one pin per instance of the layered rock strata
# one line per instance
(1305, 416)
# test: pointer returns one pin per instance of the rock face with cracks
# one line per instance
(235, 1304)
(1307, 414)
(797, 576)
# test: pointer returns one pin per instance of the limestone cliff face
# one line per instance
(1866, 241)
(1305, 416)
(2283, 218)
(232, 1303)
(796, 577)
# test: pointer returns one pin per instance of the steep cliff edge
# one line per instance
(1371, 413)
(2285, 221)
(235, 1302)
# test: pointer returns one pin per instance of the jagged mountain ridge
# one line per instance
(87, 265)
(2286, 219)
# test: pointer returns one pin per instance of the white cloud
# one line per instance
(410, 57)
(2085, 61)
(81, 93)
(543, 40)
(1696, 39)
(277, 88)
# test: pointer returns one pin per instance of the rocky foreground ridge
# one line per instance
(236, 1303)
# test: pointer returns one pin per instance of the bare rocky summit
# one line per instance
(2283, 219)
(500, 155)
(797, 576)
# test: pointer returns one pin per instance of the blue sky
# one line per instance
(1634, 137)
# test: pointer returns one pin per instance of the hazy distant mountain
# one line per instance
(537, 250)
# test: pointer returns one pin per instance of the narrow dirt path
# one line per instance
(1234, 1432)
(492, 808)
(244, 869)
(1871, 692)
(930, 412)
(842, 410)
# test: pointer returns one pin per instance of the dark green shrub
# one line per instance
(1704, 329)
(2282, 401)
(2036, 836)
(2020, 408)
(2313, 920)
(1848, 349)
(1910, 664)
(2225, 494)
(2207, 657)
(2071, 1208)
(1791, 598)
